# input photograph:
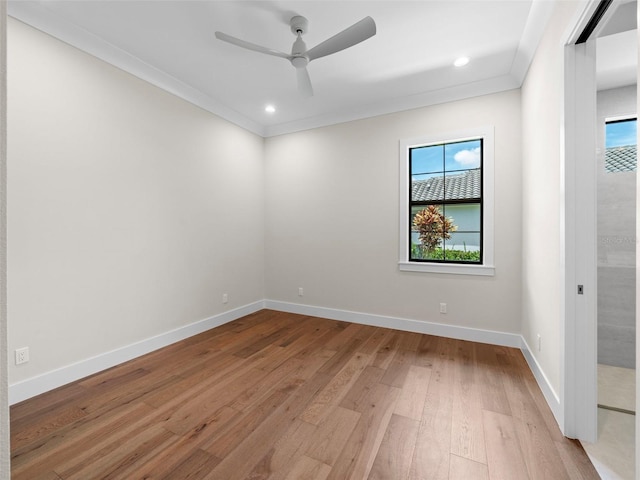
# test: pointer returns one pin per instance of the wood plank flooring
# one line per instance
(282, 396)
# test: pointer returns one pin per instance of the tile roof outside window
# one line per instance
(464, 185)
(621, 159)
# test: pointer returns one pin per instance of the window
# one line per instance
(446, 204)
(620, 145)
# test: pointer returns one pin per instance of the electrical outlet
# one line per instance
(22, 355)
(443, 308)
(225, 298)
(300, 291)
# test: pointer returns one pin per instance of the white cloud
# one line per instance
(468, 158)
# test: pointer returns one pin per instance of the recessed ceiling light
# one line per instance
(270, 109)
(461, 62)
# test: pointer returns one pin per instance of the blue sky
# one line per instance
(425, 161)
(621, 133)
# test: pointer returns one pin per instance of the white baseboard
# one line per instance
(56, 378)
(430, 328)
(547, 390)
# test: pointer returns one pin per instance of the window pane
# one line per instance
(427, 159)
(465, 216)
(419, 252)
(463, 155)
(462, 185)
(463, 242)
(427, 188)
(463, 246)
(437, 254)
(621, 133)
(429, 230)
(621, 152)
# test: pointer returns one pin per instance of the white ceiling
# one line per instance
(617, 59)
(407, 64)
(617, 47)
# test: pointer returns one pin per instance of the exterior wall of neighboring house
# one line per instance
(616, 242)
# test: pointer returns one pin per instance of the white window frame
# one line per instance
(487, 267)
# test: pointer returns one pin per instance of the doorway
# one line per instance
(616, 67)
(607, 320)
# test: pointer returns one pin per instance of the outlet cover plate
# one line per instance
(22, 355)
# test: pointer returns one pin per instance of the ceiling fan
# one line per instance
(300, 56)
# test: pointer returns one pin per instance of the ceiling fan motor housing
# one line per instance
(299, 62)
(299, 25)
(298, 51)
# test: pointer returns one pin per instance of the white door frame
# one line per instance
(579, 386)
(579, 240)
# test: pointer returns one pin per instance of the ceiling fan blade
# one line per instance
(304, 82)
(356, 33)
(251, 46)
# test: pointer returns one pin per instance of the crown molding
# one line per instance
(37, 15)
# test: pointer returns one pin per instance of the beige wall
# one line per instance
(542, 101)
(130, 211)
(332, 219)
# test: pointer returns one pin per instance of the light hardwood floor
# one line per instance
(281, 396)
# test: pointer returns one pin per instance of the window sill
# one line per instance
(456, 269)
